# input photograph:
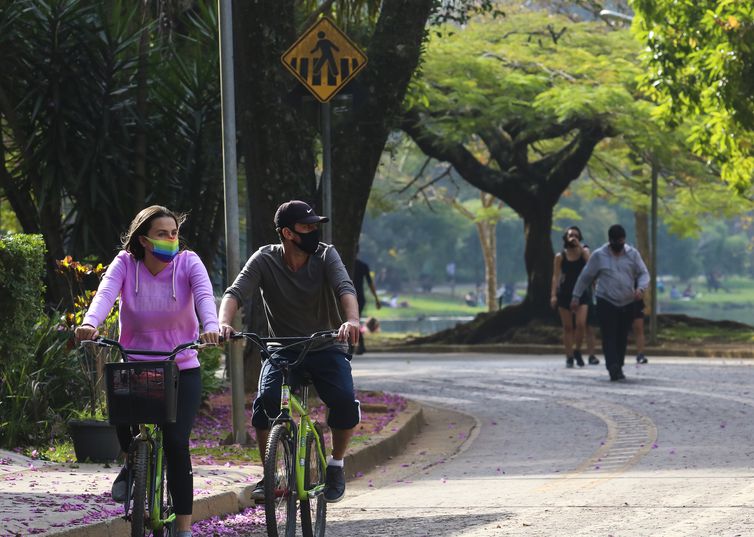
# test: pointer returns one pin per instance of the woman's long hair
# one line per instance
(140, 226)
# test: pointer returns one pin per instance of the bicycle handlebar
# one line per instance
(286, 343)
(111, 343)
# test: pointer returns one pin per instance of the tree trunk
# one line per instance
(641, 221)
(538, 255)
(276, 141)
(487, 240)
(491, 267)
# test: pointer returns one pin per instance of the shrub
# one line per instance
(209, 363)
(21, 289)
(39, 388)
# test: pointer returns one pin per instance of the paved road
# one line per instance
(556, 452)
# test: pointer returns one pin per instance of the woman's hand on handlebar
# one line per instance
(349, 331)
(210, 338)
(85, 331)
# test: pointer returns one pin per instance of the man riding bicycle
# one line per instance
(300, 280)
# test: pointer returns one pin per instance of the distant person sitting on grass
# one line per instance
(470, 299)
(689, 292)
(394, 303)
(675, 294)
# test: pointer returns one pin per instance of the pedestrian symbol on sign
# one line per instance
(324, 59)
(326, 47)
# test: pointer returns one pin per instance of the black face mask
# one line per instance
(309, 241)
(616, 246)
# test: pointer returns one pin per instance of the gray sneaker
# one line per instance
(119, 492)
(257, 493)
(335, 484)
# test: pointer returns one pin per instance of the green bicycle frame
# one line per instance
(288, 401)
(155, 476)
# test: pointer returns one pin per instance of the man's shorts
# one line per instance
(639, 309)
(329, 371)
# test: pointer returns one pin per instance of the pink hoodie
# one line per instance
(157, 312)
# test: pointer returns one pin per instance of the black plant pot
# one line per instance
(94, 441)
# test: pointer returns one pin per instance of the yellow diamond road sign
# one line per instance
(324, 59)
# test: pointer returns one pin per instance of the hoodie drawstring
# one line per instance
(136, 291)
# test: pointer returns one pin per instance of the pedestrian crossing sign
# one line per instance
(324, 59)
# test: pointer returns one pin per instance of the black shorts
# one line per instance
(564, 300)
(639, 309)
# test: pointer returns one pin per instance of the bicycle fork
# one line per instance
(303, 432)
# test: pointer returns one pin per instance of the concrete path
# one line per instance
(566, 452)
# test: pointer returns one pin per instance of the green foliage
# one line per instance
(209, 364)
(88, 84)
(21, 290)
(699, 60)
(39, 388)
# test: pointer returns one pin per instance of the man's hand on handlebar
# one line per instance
(349, 331)
(85, 332)
(226, 331)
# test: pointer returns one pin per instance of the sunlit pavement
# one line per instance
(561, 452)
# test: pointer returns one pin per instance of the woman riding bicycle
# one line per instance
(161, 288)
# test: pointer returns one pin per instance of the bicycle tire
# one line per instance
(280, 483)
(139, 500)
(314, 474)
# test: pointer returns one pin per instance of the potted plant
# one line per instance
(94, 438)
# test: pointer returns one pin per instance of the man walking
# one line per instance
(622, 278)
(361, 272)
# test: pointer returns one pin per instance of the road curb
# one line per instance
(362, 458)
(702, 351)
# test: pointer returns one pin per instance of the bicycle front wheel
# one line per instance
(280, 483)
(313, 510)
(140, 496)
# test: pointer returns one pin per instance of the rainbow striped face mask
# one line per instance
(164, 249)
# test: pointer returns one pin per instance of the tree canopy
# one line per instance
(700, 60)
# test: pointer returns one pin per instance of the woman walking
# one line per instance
(567, 266)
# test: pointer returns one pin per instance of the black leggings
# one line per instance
(176, 441)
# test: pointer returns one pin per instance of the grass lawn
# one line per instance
(424, 305)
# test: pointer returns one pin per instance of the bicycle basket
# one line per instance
(142, 391)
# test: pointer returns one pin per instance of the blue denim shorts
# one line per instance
(329, 371)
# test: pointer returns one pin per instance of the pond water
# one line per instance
(743, 313)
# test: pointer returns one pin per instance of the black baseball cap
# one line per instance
(296, 212)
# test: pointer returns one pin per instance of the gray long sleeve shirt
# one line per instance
(296, 303)
(617, 275)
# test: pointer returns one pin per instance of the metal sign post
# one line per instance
(230, 183)
(326, 112)
(324, 60)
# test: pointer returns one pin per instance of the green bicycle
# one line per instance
(143, 394)
(294, 465)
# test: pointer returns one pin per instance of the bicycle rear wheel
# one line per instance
(280, 483)
(140, 496)
(313, 510)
